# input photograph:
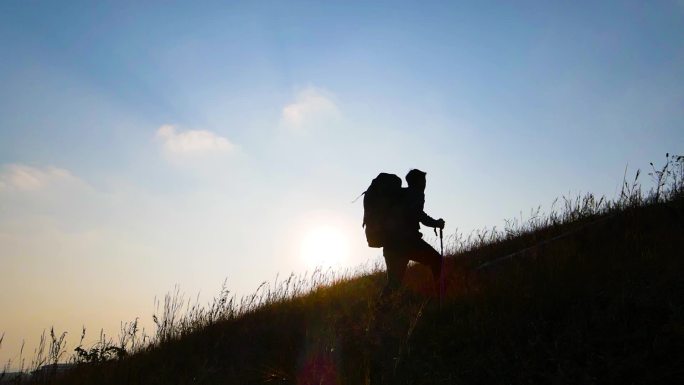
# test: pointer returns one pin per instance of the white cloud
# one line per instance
(21, 177)
(311, 105)
(192, 141)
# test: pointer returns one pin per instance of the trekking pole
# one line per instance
(441, 241)
(441, 269)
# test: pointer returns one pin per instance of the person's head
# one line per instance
(416, 179)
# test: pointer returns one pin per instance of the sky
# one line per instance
(148, 145)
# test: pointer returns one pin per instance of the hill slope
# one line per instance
(594, 297)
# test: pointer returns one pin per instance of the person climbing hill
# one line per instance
(407, 243)
(392, 218)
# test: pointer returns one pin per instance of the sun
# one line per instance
(324, 246)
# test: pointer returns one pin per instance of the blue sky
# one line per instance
(147, 145)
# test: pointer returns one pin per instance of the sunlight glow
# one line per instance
(324, 246)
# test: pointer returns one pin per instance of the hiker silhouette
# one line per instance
(392, 218)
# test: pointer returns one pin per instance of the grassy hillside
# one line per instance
(592, 293)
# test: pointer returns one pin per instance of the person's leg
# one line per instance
(396, 268)
(423, 253)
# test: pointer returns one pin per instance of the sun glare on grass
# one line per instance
(324, 246)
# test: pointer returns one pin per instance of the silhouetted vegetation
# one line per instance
(590, 292)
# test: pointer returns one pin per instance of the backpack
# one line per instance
(380, 202)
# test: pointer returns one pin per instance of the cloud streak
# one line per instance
(21, 177)
(192, 141)
(311, 105)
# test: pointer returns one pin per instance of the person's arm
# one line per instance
(424, 218)
(429, 221)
